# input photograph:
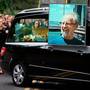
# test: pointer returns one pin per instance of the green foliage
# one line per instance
(24, 4)
(13, 6)
(2, 6)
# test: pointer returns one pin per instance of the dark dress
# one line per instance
(2, 43)
(2, 39)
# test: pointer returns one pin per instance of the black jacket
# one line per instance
(2, 38)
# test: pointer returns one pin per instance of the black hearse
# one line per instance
(32, 57)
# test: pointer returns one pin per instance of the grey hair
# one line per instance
(73, 16)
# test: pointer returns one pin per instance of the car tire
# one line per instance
(19, 75)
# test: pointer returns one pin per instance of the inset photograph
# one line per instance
(88, 12)
(67, 24)
(88, 16)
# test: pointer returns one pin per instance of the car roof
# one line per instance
(33, 11)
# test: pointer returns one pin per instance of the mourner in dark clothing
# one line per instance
(5, 24)
(2, 41)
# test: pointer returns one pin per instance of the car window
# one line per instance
(31, 30)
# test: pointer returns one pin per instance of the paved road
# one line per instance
(7, 84)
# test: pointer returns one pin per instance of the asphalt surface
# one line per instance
(7, 84)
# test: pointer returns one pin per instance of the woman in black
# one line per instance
(2, 40)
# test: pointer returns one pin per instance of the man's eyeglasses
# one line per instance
(66, 23)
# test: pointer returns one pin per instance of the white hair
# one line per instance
(71, 16)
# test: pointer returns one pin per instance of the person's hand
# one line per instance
(28, 38)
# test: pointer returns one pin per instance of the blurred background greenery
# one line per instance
(13, 6)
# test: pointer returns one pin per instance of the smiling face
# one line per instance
(68, 26)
